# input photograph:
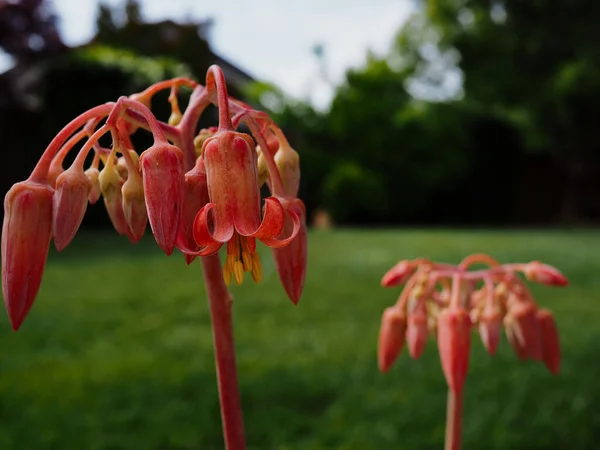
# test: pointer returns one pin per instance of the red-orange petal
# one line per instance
(291, 260)
(281, 242)
(202, 234)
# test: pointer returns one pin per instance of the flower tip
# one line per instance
(545, 274)
(189, 258)
(294, 295)
(398, 274)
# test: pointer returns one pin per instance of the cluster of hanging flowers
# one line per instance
(447, 302)
(198, 191)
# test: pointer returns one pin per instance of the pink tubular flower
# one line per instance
(163, 175)
(391, 337)
(490, 325)
(290, 261)
(417, 333)
(454, 343)
(26, 234)
(232, 176)
(525, 330)
(550, 342)
(73, 188)
(196, 196)
(134, 206)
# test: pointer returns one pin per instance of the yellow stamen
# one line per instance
(238, 272)
(247, 260)
(227, 273)
(256, 271)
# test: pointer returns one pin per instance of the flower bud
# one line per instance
(134, 206)
(550, 343)
(288, 165)
(525, 315)
(490, 324)
(454, 343)
(122, 166)
(145, 100)
(26, 234)
(417, 332)
(110, 186)
(543, 273)
(93, 175)
(399, 274)
(196, 196)
(73, 188)
(263, 171)
(391, 337)
(164, 189)
(203, 135)
(290, 261)
(175, 118)
(514, 335)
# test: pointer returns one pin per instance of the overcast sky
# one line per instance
(271, 39)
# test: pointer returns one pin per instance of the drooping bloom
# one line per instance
(134, 205)
(524, 330)
(231, 169)
(290, 261)
(110, 186)
(73, 188)
(550, 343)
(26, 235)
(490, 325)
(391, 337)
(164, 190)
(196, 196)
(417, 331)
(454, 343)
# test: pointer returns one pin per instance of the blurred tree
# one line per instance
(133, 12)
(28, 29)
(105, 22)
(535, 63)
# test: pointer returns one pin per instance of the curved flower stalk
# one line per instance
(449, 301)
(197, 192)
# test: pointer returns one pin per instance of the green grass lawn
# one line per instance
(117, 353)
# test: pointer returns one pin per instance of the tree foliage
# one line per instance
(482, 112)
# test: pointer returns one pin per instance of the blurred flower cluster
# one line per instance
(448, 302)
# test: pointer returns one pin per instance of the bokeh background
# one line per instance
(425, 128)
